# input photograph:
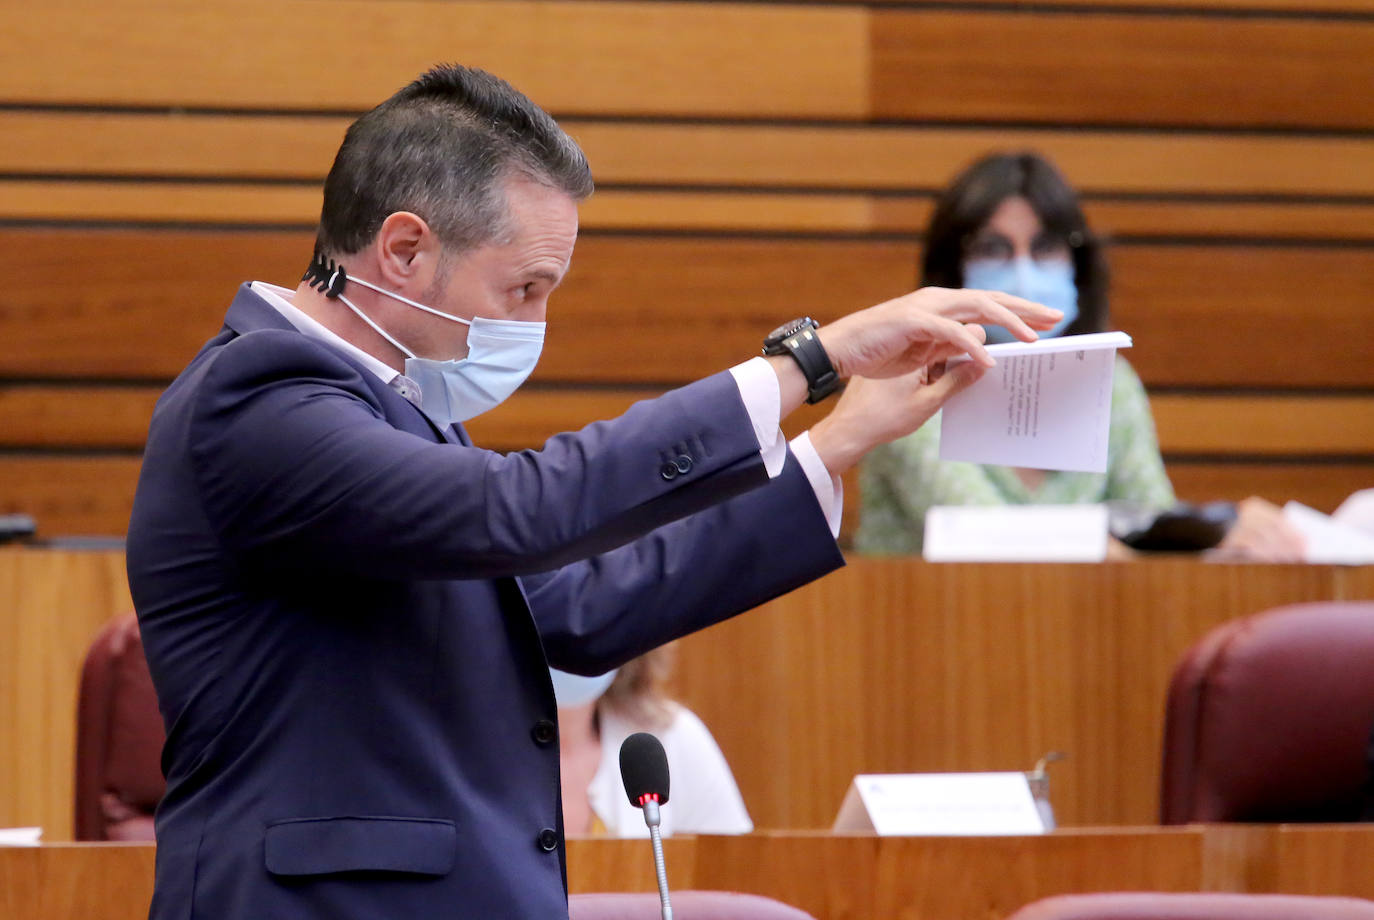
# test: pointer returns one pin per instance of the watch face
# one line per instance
(786, 329)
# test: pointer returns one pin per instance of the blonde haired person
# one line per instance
(596, 714)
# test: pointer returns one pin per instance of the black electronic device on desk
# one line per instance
(1183, 528)
(16, 527)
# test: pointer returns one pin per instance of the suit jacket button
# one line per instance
(683, 464)
(668, 471)
(548, 840)
(544, 732)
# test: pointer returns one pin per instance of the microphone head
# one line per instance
(644, 768)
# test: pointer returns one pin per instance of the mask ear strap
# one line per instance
(327, 277)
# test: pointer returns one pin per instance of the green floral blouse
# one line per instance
(899, 481)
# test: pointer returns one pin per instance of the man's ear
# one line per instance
(407, 250)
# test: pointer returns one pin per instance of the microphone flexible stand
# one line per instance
(649, 802)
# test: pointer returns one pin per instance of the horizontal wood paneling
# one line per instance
(1158, 70)
(70, 495)
(880, 157)
(781, 213)
(830, 877)
(1200, 315)
(570, 57)
(1319, 485)
(116, 417)
(625, 297)
(1226, 315)
(93, 494)
(889, 665)
(1276, 425)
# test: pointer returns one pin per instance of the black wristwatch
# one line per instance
(798, 339)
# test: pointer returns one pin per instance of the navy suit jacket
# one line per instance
(349, 614)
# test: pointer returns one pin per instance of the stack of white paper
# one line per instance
(1329, 541)
(1046, 405)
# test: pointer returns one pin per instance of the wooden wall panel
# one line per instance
(256, 205)
(1320, 485)
(831, 878)
(887, 665)
(1281, 316)
(571, 57)
(900, 666)
(625, 296)
(1268, 317)
(892, 157)
(70, 495)
(116, 417)
(51, 606)
(1141, 69)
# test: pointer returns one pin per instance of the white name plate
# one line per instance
(1016, 533)
(940, 804)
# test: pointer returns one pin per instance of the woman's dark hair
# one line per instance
(442, 148)
(968, 204)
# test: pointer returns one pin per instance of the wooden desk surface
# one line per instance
(834, 878)
(889, 665)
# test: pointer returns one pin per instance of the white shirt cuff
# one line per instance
(829, 489)
(758, 387)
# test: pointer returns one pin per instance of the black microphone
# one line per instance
(644, 770)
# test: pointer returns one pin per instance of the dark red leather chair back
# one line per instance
(1269, 718)
(119, 738)
(1157, 906)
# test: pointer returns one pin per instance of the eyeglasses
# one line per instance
(1046, 246)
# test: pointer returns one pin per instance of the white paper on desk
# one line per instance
(20, 836)
(1329, 542)
(1046, 405)
(1016, 533)
(941, 804)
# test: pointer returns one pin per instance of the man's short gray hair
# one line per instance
(443, 148)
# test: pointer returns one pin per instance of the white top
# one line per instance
(702, 795)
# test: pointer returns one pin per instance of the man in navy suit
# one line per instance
(349, 610)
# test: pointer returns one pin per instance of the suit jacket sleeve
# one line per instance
(603, 611)
(298, 468)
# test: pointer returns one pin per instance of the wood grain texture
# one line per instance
(900, 666)
(116, 417)
(1276, 425)
(624, 299)
(890, 665)
(70, 495)
(93, 495)
(1133, 69)
(300, 147)
(1319, 485)
(642, 210)
(1273, 317)
(832, 878)
(570, 57)
(1227, 315)
(51, 606)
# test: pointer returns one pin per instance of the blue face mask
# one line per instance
(501, 355)
(1049, 282)
(576, 690)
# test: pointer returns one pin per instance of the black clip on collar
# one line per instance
(325, 276)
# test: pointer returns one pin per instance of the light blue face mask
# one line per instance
(576, 690)
(1048, 281)
(501, 355)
